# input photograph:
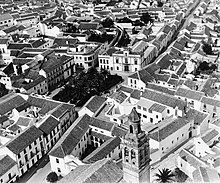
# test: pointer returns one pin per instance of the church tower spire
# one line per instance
(135, 152)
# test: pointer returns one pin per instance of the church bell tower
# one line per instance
(136, 152)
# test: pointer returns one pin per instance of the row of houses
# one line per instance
(30, 127)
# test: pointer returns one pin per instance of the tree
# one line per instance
(164, 176)
(159, 3)
(179, 175)
(125, 20)
(107, 22)
(138, 23)
(52, 177)
(207, 48)
(3, 90)
(145, 17)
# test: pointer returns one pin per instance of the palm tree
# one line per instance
(164, 176)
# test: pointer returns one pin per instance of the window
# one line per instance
(58, 169)
(204, 106)
(177, 138)
(156, 116)
(168, 111)
(19, 156)
(57, 160)
(172, 141)
(116, 60)
(24, 151)
(144, 109)
(79, 145)
(162, 148)
(117, 68)
(30, 146)
(131, 80)
(144, 116)
(135, 82)
(151, 120)
(139, 107)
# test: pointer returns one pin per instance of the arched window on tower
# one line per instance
(133, 156)
(126, 154)
(131, 129)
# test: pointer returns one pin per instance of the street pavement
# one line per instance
(41, 175)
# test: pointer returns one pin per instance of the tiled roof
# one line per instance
(19, 46)
(166, 29)
(88, 26)
(9, 102)
(4, 17)
(48, 125)
(136, 94)
(3, 119)
(164, 99)
(23, 140)
(65, 41)
(119, 97)
(159, 88)
(197, 116)
(191, 94)
(4, 40)
(164, 62)
(62, 109)
(6, 163)
(94, 103)
(126, 89)
(167, 127)
(105, 125)
(190, 84)
(119, 131)
(23, 121)
(191, 158)
(71, 137)
(38, 43)
(35, 82)
(210, 135)
(42, 102)
(163, 77)
(101, 171)
(157, 107)
(210, 101)
(102, 151)
(14, 127)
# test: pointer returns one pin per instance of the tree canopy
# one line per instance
(52, 177)
(107, 22)
(207, 48)
(146, 17)
(164, 176)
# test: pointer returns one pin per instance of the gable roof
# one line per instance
(6, 16)
(94, 103)
(71, 137)
(101, 171)
(9, 102)
(164, 99)
(6, 163)
(167, 127)
(191, 94)
(105, 125)
(102, 151)
(23, 140)
(48, 125)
